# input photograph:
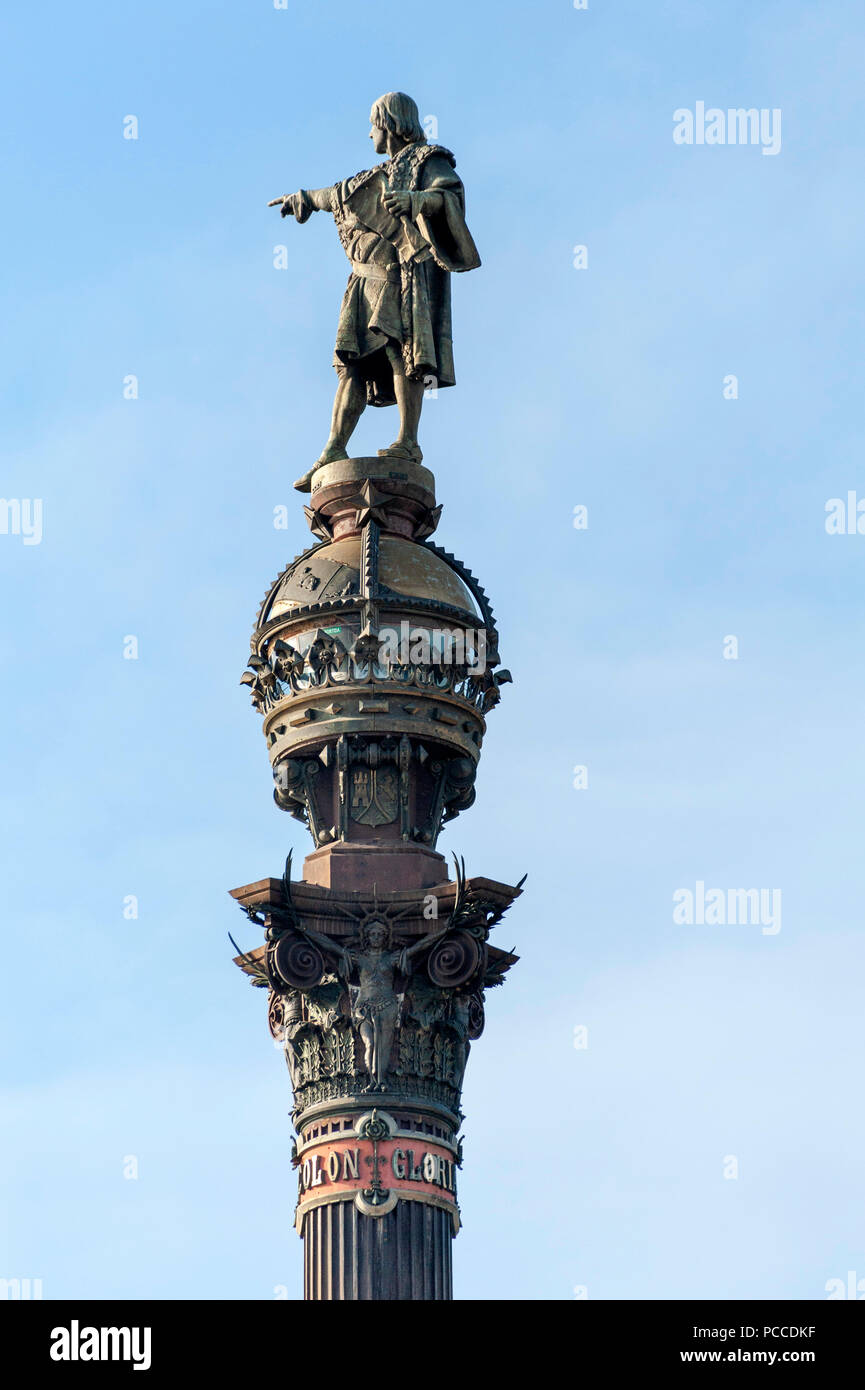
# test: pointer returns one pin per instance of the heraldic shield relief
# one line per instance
(374, 795)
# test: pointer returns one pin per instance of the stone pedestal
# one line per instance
(364, 867)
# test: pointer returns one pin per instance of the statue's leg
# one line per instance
(367, 1034)
(348, 406)
(384, 1043)
(409, 400)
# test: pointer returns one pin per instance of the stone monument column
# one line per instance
(374, 666)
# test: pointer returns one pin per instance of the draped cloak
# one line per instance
(398, 293)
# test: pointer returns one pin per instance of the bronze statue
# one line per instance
(375, 1007)
(402, 226)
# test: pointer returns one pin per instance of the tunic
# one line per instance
(398, 293)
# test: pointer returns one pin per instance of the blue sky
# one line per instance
(600, 1168)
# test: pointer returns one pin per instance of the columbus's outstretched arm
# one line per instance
(301, 204)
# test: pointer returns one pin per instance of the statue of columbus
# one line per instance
(402, 226)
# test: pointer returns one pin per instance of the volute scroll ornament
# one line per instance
(294, 962)
(454, 961)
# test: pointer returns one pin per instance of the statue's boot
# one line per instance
(402, 449)
(330, 455)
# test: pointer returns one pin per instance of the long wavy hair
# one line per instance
(397, 113)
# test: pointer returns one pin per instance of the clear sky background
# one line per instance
(603, 1167)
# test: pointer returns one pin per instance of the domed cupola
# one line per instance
(374, 664)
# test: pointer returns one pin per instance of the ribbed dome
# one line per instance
(332, 571)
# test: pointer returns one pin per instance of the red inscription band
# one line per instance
(339, 1166)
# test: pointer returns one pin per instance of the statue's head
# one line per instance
(397, 114)
(376, 935)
